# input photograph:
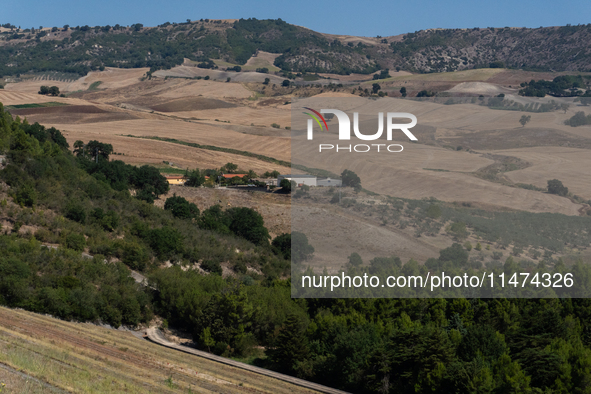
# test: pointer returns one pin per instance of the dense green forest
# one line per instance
(82, 202)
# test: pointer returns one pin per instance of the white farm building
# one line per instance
(309, 180)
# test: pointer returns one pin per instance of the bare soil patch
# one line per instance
(192, 104)
(69, 109)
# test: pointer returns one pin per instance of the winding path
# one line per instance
(155, 336)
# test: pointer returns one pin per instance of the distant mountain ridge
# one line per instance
(82, 49)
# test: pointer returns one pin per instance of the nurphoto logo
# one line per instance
(345, 130)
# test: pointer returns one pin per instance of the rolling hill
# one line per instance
(213, 43)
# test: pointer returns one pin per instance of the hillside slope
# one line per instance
(79, 50)
(82, 358)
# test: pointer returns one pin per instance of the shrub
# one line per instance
(355, 259)
(26, 195)
(165, 241)
(75, 241)
(434, 211)
(181, 208)
(76, 213)
(212, 266)
(455, 254)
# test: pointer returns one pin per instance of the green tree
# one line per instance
(98, 149)
(419, 357)
(458, 230)
(301, 250)
(266, 82)
(195, 179)
(181, 208)
(355, 259)
(285, 83)
(206, 339)
(403, 91)
(54, 91)
(285, 185)
(556, 187)
(44, 90)
(291, 347)
(349, 178)
(248, 223)
(455, 254)
(150, 180)
(564, 107)
(79, 148)
(215, 219)
(524, 120)
(230, 168)
(375, 87)
(282, 245)
(165, 241)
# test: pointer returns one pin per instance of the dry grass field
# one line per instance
(85, 358)
(552, 162)
(236, 115)
(273, 207)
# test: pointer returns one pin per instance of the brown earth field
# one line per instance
(455, 142)
(82, 358)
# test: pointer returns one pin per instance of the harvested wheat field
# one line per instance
(84, 358)
(423, 171)
(185, 131)
(12, 96)
(140, 151)
(243, 115)
(547, 163)
(455, 141)
(110, 78)
(262, 59)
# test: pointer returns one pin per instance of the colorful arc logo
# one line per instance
(316, 119)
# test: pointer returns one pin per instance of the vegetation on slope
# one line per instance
(544, 48)
(360, 345)
(81, 49)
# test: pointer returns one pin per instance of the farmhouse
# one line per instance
(175, 179)
(230, 176)
(267, 181)
(309, 180)
(329, 182)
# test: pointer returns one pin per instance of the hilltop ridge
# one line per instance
(80, 49)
